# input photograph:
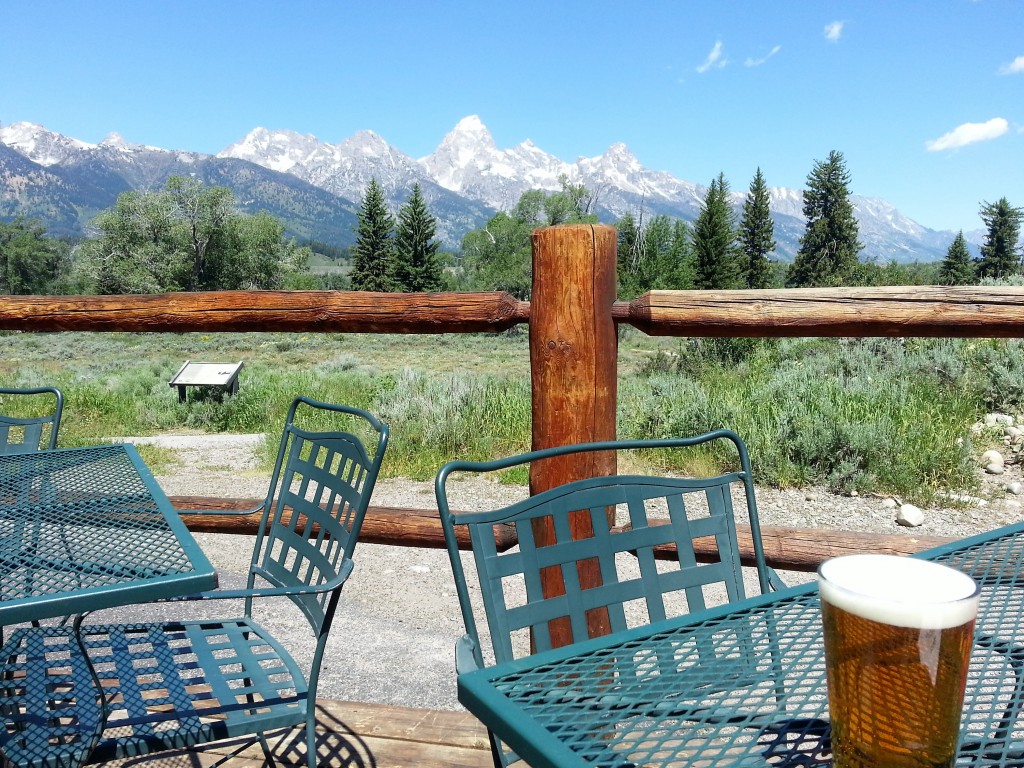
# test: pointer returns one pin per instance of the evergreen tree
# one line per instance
(714, 240)
(957, 268)
(1000, 255)
(417, 267)
(629, 256)
(757, 234)
(682, 275)
(373, 254)
(829, 246)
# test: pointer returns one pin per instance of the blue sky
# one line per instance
(924, 98)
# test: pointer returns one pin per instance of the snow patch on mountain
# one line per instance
(40, 145)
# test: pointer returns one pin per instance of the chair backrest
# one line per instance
(29, 419)
(655, 518)
(319, 492)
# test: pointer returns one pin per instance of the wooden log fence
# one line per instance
(573, 378)
(789, 549)
(927, 311)
(922, 311)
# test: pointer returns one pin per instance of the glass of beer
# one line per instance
(898, 635)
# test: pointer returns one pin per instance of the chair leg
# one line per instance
(265, 745)
(311, 738)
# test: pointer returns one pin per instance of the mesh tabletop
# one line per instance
(89, 528)
(742, 684)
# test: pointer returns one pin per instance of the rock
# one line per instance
(889, 503)
(1013, 433)
(995, 468)
(1015, 488)
(995, 419)
(992, 457)
(910, 516)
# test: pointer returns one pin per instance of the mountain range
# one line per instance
(315, 187)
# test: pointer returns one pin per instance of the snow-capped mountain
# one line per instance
(65, 182)
(468, 162)
(40, 145)
(345, 169)
(315, 186)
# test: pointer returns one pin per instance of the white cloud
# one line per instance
(1015, 67)
(714, 59)
(969, 133)
(752, 62)
(834, 31)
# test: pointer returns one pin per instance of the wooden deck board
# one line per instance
(352, 735)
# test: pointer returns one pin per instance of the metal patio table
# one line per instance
(83, 529)
(742, 684)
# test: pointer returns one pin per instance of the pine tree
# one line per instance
(829, 246)
(714, 240)
(757, 234)
(682, 274)
(629, 256)
(373, 253)
(1000, 255)
(417, 267)
(957, 268)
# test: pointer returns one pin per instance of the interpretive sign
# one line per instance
(222, 375)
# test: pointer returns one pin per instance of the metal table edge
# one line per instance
(203, 578)
(191, 547)
(477, 693)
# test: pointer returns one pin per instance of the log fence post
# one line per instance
(574, 378)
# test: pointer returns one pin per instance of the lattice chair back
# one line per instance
(319, 494)
(643, 548)
(29, 419)
(648, 563)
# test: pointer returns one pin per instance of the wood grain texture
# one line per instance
(352, 734)
(573, 350)
(283, 311)
(933, 311)
(398, 526)
(803, 549)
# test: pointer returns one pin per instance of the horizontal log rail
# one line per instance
(932, 311)
(286, 311)
(398, 526)
(803, 549)
(960, 311)
(789, 549)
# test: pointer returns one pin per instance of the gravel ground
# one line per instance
(399, 618)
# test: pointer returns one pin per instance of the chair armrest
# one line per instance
(223, 512)
(465, 655)
(258, 592)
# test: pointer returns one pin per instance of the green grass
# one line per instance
(883, 415)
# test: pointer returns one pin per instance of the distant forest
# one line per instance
(191, 237)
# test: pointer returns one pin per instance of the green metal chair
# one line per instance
(34, 428)
(655, 516)
(175, 684)
(27, 433)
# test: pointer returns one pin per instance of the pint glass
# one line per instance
(898, 637)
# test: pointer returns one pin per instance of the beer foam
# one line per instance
(901, 591)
